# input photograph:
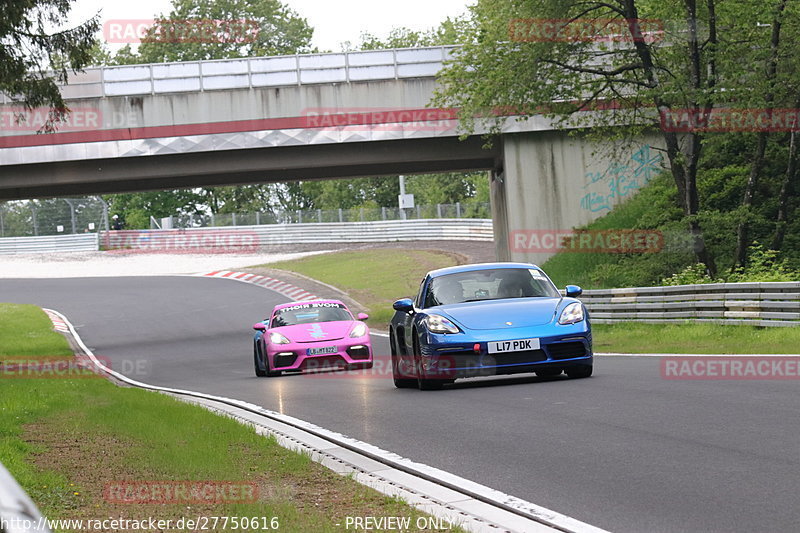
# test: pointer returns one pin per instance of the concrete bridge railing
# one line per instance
(277, 71)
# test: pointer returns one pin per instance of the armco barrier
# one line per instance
(757, 304)
(250, 238)
(82, 242)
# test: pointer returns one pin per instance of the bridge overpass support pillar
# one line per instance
(552, 182)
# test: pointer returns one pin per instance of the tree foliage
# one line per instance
(34, 57)
(221, 29)
(641, 62)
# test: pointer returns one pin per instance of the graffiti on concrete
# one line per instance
(620, 179)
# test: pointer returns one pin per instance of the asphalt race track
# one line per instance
(624, 450)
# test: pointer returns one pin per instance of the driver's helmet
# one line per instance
(448, 291)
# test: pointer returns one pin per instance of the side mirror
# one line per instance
(573, 291)
(259, 326)
(405, 305)
(362, 316)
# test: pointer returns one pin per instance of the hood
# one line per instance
(317, 331)
(493, 314)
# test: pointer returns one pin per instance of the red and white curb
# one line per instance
(276, 285)
(58, 322)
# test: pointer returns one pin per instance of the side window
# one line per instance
(420, 295)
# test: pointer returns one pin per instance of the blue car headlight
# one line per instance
(439, 324)
(572, 314)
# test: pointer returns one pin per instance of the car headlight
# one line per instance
(571, 314)
(359, 331)
(277, 338)
(439, 324)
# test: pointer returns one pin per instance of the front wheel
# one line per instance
(400, 381)
(259, 373)
(581, 371)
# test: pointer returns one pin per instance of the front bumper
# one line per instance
(350, 353)
(451, 357)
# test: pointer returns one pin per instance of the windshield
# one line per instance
(310, 313)
(491, 284)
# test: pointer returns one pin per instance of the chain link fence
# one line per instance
(62, 216)
(363, 214)
(53, 216)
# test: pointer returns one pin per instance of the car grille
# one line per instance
(566, 350)
(472, 360)
(325, 362)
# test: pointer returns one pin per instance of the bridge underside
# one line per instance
(252, 165)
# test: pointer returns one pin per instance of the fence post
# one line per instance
(104, 222)
(233, 219)
(72, 216)
(2, 222)
(319, 215)
(458, 209)
(258, 213)
(213, 220)
(383, 213)
(361, 214)
(341, 219)
(419, 211)
(438, 210)
(299, 216)
(35, 222)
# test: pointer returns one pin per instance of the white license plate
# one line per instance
(322, 351)
(513, 346)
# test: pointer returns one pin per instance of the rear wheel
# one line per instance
(400, 381)
(422, 383)
(581, 371)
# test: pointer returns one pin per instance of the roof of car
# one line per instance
(293, 304)
(477, 266)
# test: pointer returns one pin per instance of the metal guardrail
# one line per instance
(81, 242)
(277, 71)
(756, 304)
(250, 238)
(18, 513)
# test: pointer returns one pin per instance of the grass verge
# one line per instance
(66, 440)
(375, 277)
(634, 337)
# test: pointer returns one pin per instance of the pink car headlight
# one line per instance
(277, 338)
(359, 330)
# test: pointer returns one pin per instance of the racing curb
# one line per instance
(459, 501)
(281, 287)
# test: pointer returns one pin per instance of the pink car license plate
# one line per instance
(322, 351)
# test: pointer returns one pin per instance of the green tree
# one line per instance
(517, 62)
(34, 59)
(221, 29)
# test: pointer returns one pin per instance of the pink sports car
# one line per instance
(313, 335)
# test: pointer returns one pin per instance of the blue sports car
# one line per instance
(488, 319)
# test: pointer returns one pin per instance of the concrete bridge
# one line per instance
(316, 116)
